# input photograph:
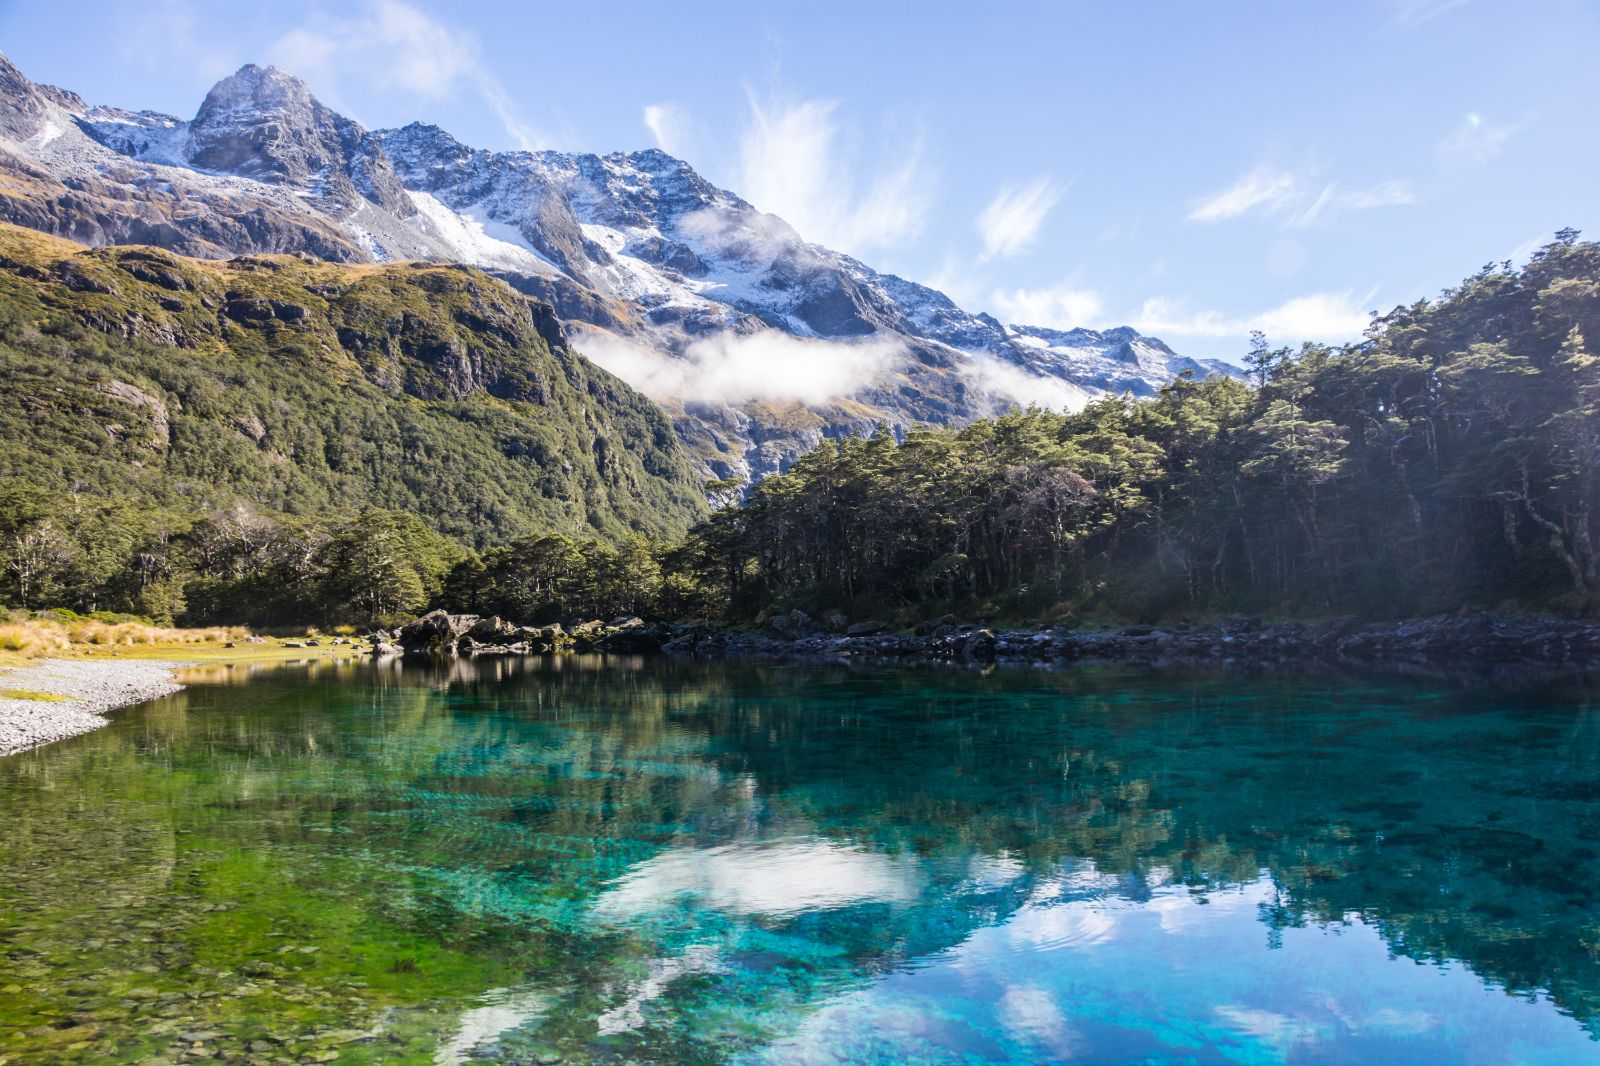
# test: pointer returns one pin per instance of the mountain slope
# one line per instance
(757, 342)
(315, 389)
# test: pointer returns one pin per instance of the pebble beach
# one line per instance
(92, 688)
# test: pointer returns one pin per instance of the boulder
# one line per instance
(494, 631)
(435, 633)
(683, 645)
(978, 645)
(866, 629)
(835, 619)
(795, 625)
(635, 638)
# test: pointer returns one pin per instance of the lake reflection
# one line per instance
(588, 860)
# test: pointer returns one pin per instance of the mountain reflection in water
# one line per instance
(628, 860)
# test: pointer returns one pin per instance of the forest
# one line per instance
(1449, 460)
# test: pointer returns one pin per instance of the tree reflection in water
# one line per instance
(688, 862)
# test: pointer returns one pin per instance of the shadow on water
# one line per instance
(618, 859)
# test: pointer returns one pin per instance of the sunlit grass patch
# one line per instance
(42, 637)
(32, 694)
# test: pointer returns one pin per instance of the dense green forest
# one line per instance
(1449, 460)
(190, 439)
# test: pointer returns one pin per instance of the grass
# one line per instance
(41, 638)
(31, 694)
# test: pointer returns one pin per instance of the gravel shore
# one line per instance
(92, 688)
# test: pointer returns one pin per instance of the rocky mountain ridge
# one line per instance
(681, 288)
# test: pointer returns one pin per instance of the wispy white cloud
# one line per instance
(730, 368)
(1419, 12)
(1062, 306)
(1477, 139)
(790, 164)
(1263, 189)
(1297, 200)
(1321, 316)
(396, 45)
(1010, 223)
(1311, 212)
(669, 125)
(1384, 194)
(1330, 201)
(1524, 251)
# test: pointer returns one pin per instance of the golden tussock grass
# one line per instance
(37, 637)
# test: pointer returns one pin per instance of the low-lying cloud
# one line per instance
(765, 367)
(750, 237)
(1320, 316)
(1009, 385)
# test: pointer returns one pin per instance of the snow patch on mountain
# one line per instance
(476, 239)
(683, 289)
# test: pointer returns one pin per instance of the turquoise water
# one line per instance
(638, 861)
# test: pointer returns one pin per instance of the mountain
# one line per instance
(757, 342)
(310, 390)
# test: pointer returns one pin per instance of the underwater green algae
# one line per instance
(625, 861)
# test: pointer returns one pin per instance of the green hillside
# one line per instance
(312, 390)
(162, 415)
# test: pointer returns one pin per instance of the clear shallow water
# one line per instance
(660, 862)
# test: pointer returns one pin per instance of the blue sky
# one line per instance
(1195, 170)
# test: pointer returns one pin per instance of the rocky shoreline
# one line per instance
(1479, 638)
(90, 689)
(1450, 640)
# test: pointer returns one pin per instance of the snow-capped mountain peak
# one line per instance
(659, 274)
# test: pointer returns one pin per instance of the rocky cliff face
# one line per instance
(264, 124)
(756, 341)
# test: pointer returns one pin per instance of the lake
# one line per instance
(617, 860)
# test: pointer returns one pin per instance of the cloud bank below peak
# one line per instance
(764, 367)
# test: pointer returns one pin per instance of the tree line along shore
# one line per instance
(1448, 462)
